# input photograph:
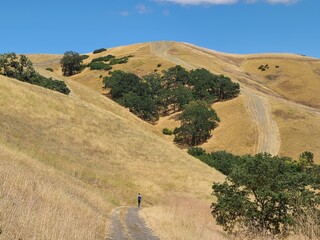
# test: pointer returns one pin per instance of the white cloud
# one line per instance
(142, 9)
(282, 1)
(124, 13)
(221, 2)
(199, 2)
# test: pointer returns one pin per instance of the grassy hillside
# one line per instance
(82, 154)
(86, 143)
(290, 82)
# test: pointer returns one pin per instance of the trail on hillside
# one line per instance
(161, 49)
(268, 139)
(128, 225)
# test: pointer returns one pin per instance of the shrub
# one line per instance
(178, 139)
(103, 59)
(99, 66)
(122, 60)
(196, 151)
(49, 69)
(220, 160)
(83, 57)
(99, 50)
(167, 131)
(263, 67)
(159, 65)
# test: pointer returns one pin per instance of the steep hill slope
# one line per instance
(83, 149)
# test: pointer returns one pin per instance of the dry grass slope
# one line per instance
(82, 139)
(82, 154)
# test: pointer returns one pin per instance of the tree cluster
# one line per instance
(264, 193)
(176, 89)
(21, 68)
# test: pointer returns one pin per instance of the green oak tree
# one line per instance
(265, 193)
(197, 121)
(71, 63)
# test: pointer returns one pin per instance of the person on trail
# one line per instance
(139, 199)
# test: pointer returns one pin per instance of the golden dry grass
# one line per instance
(87, 139)
(296, 78)
(236, 132)
(104, 149)
(38, 202)
(299, 129)
(183, 218)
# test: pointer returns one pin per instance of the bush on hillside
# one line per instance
(196, 151)
(83, 57)
(21, 68)
(99, 50)
(103, 59)
(99, 66)
(167, 131)
(263, 67)
(122, 60)
(49, 69)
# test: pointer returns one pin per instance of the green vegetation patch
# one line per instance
(119, 60)
(263, 67)
(99, 66)
(99, 50)
(265, 194)
(103, 59)
(71, 63)
(167, 131)
(21, 68)
(175, 90)
(83, 57)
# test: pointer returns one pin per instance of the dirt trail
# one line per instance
(128, 225)
(268, 139)
(258, 107)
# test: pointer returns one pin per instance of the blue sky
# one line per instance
(233, 26)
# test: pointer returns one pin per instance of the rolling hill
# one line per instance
(277, 111)
(68, 161)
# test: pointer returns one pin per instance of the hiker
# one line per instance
(139, 199)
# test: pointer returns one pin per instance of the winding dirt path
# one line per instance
(128, 225)
(258, 107)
